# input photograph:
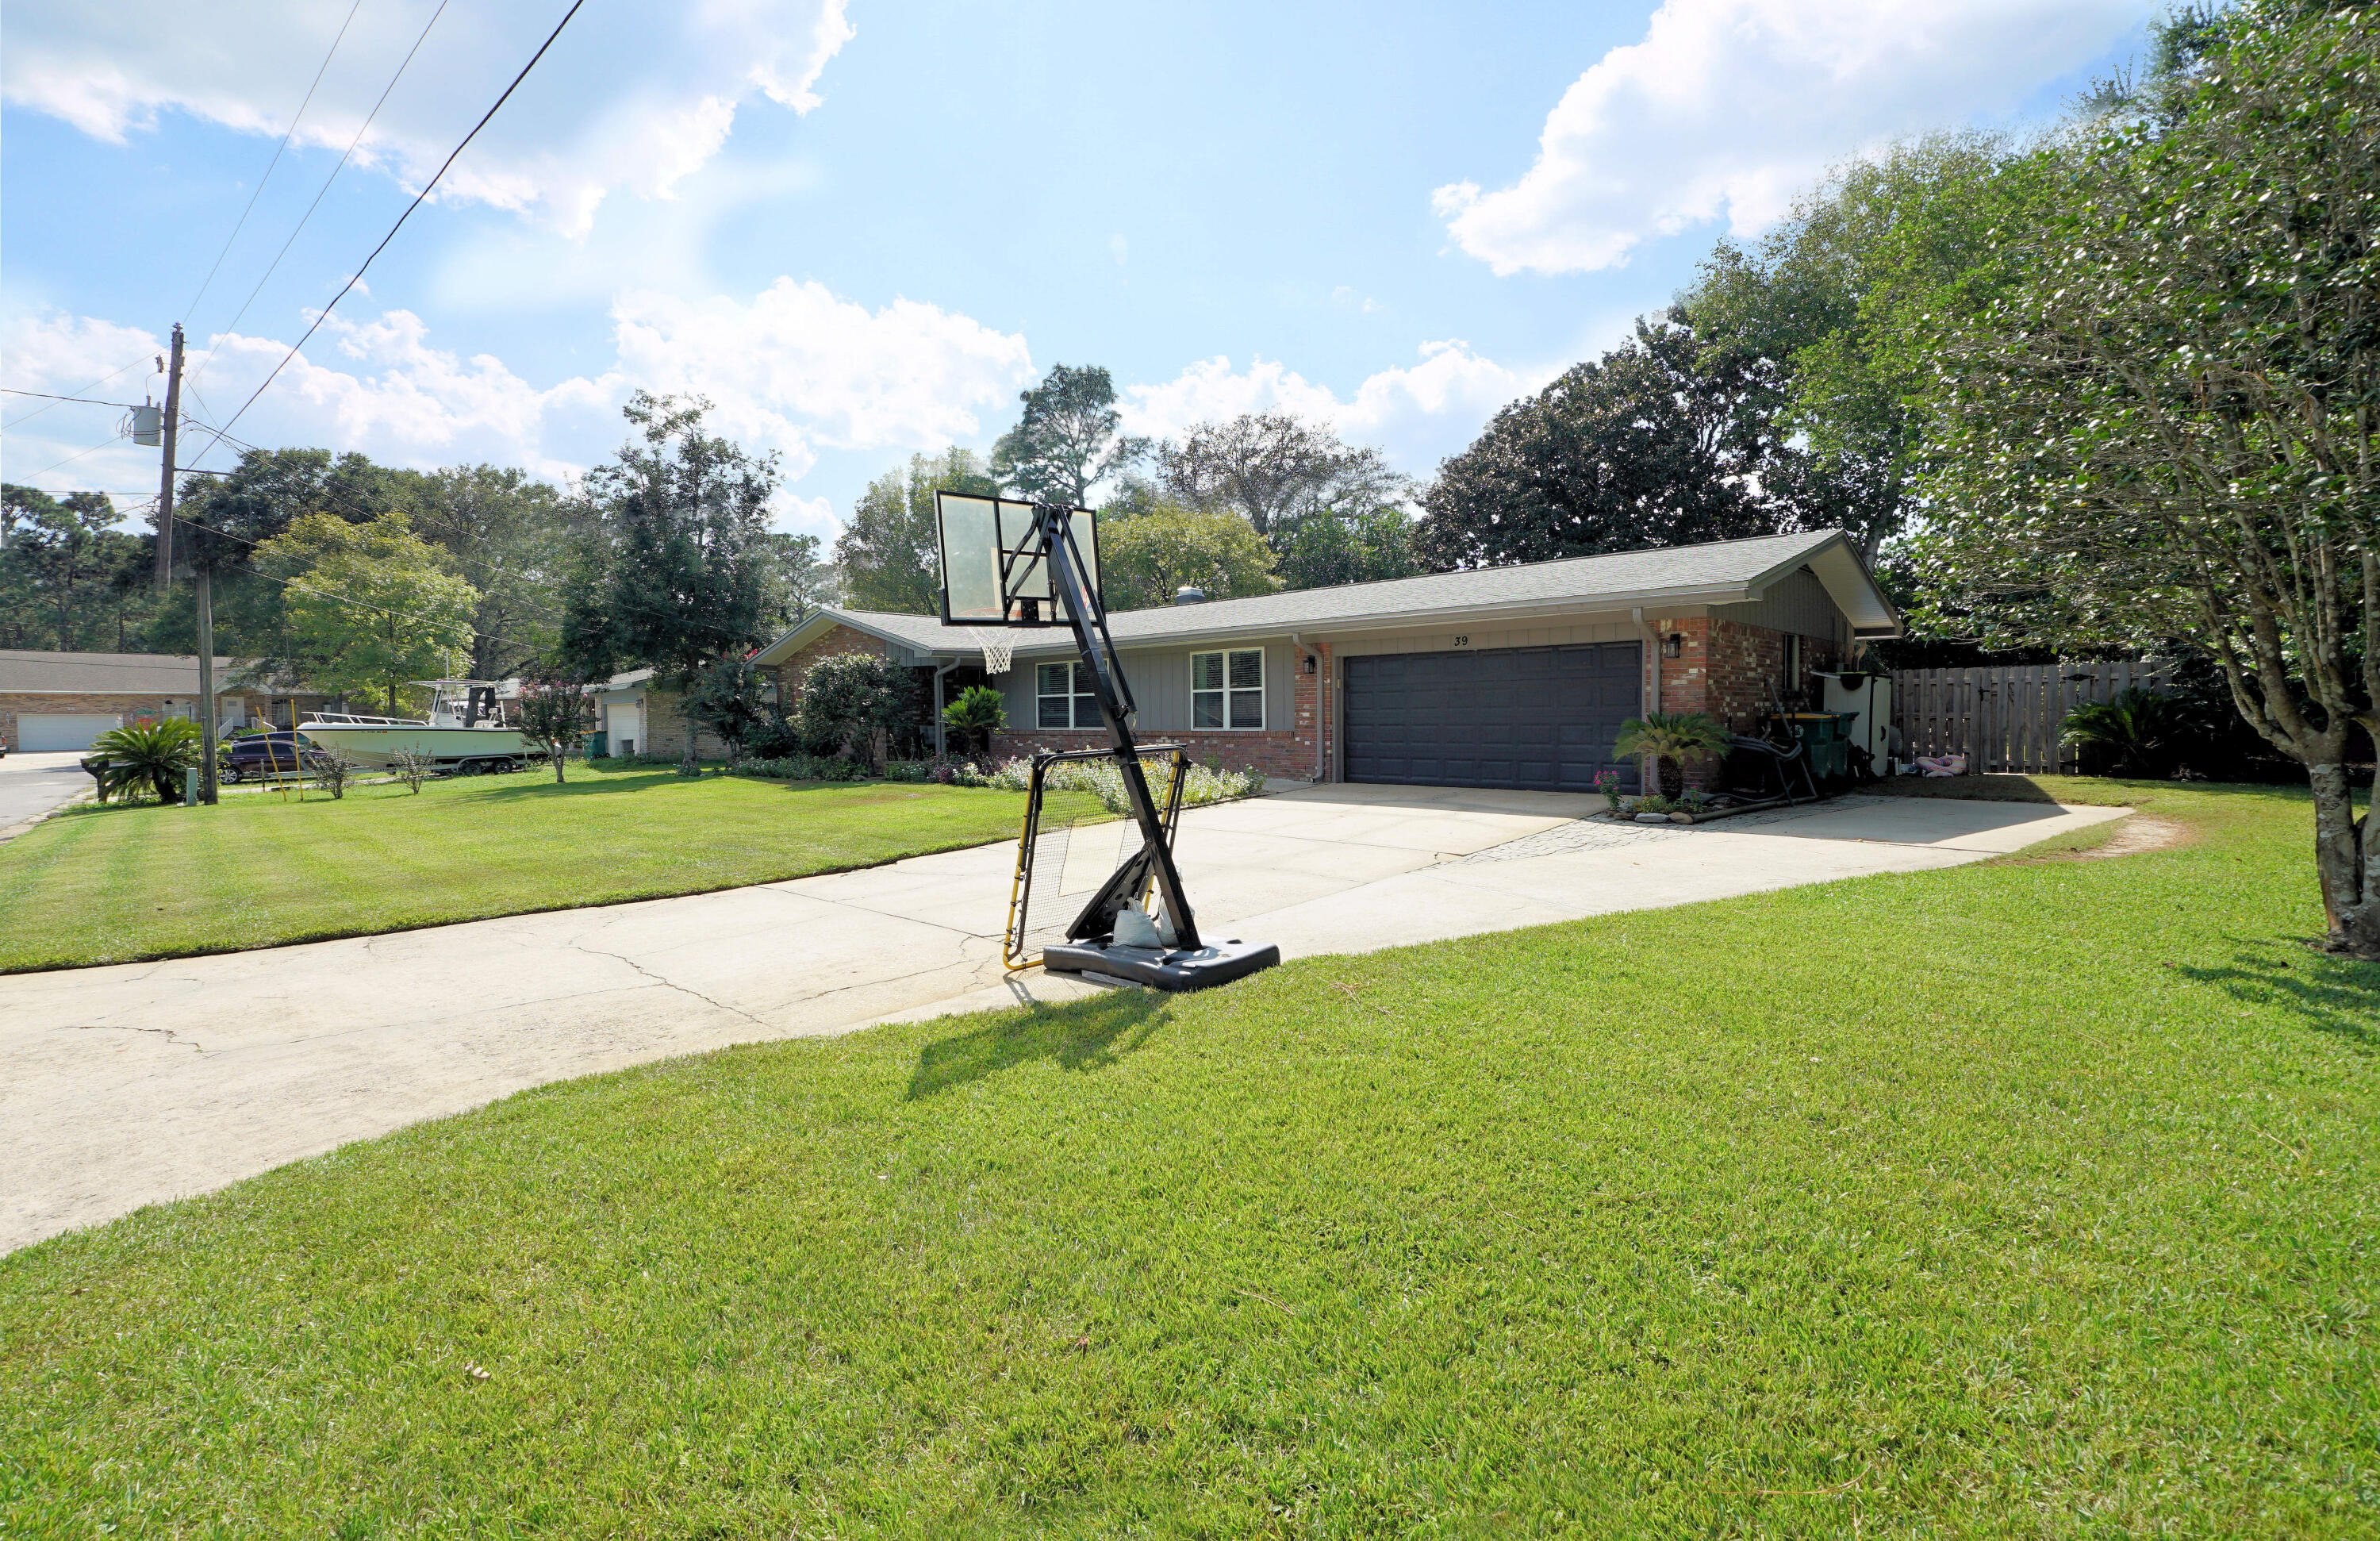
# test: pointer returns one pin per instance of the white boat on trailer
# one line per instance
(466, 732)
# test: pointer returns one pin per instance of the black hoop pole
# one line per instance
(1089, 624)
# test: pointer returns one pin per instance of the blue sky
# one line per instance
(862, 228)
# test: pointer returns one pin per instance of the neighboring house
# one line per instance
(1498, 677)
(62, 702)
(636, 715)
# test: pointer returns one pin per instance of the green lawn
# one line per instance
(113, 884)
(2032, 1198)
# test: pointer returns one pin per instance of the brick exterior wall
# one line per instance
(1287, 752)
(838, 641)
(665, 729)
(1732, 671)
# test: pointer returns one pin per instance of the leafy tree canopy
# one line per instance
(1145, 559)
(888, 556)
(368, 608)
(2166, 420)
(69, 580)
(1659, 442)
(674, 570)
(1274, 469)
(1068, 439)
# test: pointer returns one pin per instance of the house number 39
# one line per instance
(1462, 641)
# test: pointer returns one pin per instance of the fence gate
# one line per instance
(2006, 717)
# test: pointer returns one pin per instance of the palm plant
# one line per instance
(1664, 743)
(977, 713)
(154, 752)
(2140, 733)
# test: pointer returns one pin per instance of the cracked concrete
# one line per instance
(130, 1084)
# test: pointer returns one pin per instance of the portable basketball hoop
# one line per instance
(1014, 564)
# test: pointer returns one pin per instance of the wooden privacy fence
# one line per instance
(2006, 717)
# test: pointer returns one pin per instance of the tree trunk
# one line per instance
(2343, 858)
(1673, 777)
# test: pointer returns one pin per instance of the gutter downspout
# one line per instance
(1321, 699)
(942, 747)
(1651, 652)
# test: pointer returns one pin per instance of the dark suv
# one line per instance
(262, 756)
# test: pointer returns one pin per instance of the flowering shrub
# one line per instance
(1203, 783)
(1608, 784)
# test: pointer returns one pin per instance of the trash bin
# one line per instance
(1826, 738)
(595, 749)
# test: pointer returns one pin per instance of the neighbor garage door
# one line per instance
(37, 731)
(1539, 719)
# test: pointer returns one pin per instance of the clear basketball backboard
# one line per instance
(994, 571)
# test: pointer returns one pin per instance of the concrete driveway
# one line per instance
(128, 1084)
(30, 785)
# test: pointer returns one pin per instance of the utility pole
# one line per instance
(208, 791)
(165, 480)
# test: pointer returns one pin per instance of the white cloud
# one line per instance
(795, 369)
(798, 366)
(634, 96)
(1418, 414)
(1729, 107)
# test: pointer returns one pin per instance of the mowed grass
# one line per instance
(2037, 1198)
(115, 884)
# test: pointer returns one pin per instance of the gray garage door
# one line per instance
(1538, 719)
(52, 731)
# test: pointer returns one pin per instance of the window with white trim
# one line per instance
(1227, 688)
(1063, 696)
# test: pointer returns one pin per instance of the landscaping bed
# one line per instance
(2022, 1199)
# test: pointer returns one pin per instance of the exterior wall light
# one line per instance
(1674, 645)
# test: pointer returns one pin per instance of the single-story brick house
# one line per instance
(62, 702)
(1495, 677)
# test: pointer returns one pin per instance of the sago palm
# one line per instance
(977, 713)
(1664, 743)
(2141, 733)
(156, 753)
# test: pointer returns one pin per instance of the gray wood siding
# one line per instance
(1159, 680)
(1796, 603)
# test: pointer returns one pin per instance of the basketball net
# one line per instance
(999, 649)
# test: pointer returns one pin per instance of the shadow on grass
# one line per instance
(2331, 995)
(2108, 790)
(1079, 1035)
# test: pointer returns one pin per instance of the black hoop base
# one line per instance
(1174, 968)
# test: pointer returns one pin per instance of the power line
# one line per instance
(78, 454)
(89, 401)
(92, 386)
(318, 193)
(277, 150)
(417, 200)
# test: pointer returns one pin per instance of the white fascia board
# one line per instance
(819, 626)
(1413, 620)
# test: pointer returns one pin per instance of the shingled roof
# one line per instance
(1720, 572)
(25, 672)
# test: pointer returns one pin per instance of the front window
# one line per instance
(1227, 688)
(1064, 697)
